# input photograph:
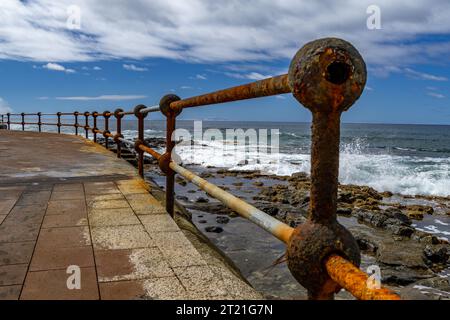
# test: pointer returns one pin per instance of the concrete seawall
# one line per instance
(65, 201)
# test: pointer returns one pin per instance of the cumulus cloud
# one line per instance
(436, 95)
(57, 67)
(225, 31)
(115, 97)
(132, 67)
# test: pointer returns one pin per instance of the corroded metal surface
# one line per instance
(262, 88)
(327, 76)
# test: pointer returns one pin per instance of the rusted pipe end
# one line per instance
(307, 249)
(137, 111)
(164, 105)
(327, 75)
(118, 113)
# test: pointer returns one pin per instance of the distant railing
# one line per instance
(327, 76)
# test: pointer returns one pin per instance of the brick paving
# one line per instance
(91, 210)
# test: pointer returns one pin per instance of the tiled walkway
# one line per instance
(106, 224)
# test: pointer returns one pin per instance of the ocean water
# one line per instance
(405, 159)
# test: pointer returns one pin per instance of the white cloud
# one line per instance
(250, 76)
(200, 77)
(211, 31)
(96, 68)
(186, 87)
(436, 95)
(132, 67)
(103, 97)
(57, 67)
(42, 98)
(424, 76)
(4, 106)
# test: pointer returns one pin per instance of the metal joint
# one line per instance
(164, 105)
(137, 143)
(138, 113)
(105, 133)
(117, 137)
(106, 114)
(118, 113)
(164, 163)
(327, 76)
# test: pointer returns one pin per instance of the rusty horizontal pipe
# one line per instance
(354, 280)
(150, 151)
(125, 112)
(263, 88)
(280, 230)
(150, 109)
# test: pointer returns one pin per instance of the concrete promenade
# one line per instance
(65, 201)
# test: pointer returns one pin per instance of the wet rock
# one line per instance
(238, 184)
(390, 219)
(418, 211)
(180, 181)
(386, 194)
(436, 253)
(202, 221)
(435, 288)
(222, 220)
(192, 191)
(258, 183)
(206, 175)
(201, 200)
(344, 211)
(182, 198)
(268, 208)
(214, 229)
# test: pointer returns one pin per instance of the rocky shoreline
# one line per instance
(412, 262)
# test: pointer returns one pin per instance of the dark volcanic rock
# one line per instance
(202, 200)
(214, 229)
(436, 254)
(222, 220)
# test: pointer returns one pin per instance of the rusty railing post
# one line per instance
(94, 129)
(58, 124)
(39, 114)
(327, 76)
(75, 114)
(8, 122)
(106, 115)
(164, 160)
(140, 140)
(118, 113)
(86, 127)
(23, 121)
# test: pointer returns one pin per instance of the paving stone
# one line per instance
(183, 256)
(170, 239)
(122, 290)
(121, 237)
(108, 204)
(159, 223)
(68, 187)
(10, 292)
(48, 258)
(52, 285)
(67, 195)
(143, 204)
(65, 220)
(10, 193)
(102, 197)
(26, 215)
(112, 217)
(12, 274)
(64, 237)
(134, 186)
(2, 218)
(167, 288)
(66, 207)
(16, 252)
(35, 198)
(131, 264)
(201, 280)
(6, 206)
(13, 232)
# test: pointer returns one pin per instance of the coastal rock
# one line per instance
(222, 220)
(436, 253)
(418, 211)
(258, 183)
(202, 200)
(214, 229)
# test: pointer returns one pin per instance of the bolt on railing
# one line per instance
(326, 76)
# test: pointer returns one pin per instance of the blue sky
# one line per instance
(127, 54)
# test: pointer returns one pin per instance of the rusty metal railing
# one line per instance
(326, 76)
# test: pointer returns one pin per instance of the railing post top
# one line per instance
(95, 114)
(86, 114)
(22, 114)
(164, 104)
(39, 113)
(117, 113)
(106, 114)
(58, 114)
(327, 75)
(76, 113)
(137, 111)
